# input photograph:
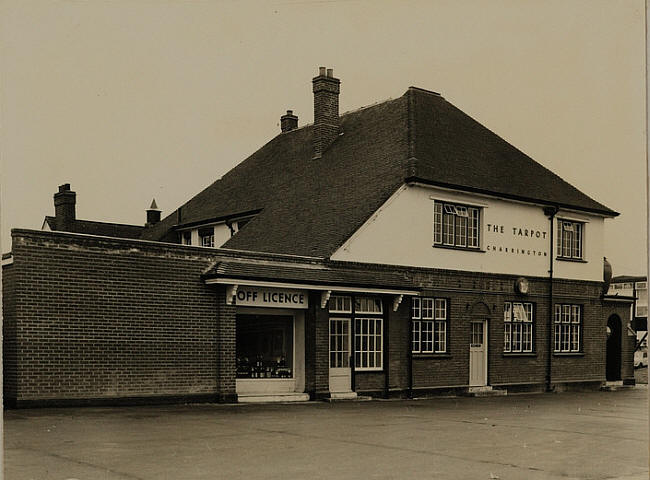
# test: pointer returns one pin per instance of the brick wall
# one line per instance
(9, 346)
(107, 319)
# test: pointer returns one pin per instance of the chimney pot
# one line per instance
(326, 90)
(65, 201)
(288, 122)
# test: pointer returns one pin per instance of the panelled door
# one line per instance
(340, 372)
(478, 354)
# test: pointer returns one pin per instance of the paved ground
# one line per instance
(598, 435)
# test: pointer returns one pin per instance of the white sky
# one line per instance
(129, 100)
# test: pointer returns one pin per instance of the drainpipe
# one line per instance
(550, 212)
(409, 350)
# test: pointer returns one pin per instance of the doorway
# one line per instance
(613, 369)
(340, 373)
(478, 353)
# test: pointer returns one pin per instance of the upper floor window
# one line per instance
(455, 225)
(569, 239)
(187, 238)
(206, 237)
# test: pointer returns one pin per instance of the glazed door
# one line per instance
(340, 372)
(478, 354)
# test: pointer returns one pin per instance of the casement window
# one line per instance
(187, 238)
(206, 237)
(455, 225)
(518, 327)
(641, 308)
(569, 239)
(568, 328)
(429, 325)
(368, 328)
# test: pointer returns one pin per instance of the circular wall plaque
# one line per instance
(521, 285)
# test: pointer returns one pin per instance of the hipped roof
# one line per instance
(312, 206)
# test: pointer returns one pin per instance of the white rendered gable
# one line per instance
(514, 237)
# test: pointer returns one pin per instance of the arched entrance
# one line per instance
(613, 372)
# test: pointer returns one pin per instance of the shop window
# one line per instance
(264, 346)
(206, 237)
(569, 239)
(568, 328)
(429, 325)
(518, 327)
(456, 225)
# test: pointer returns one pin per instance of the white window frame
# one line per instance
(340, 304)
(368, 340)
(456, 225)
(570, 239)
(518, 333)
(567, 325)
(429, 325)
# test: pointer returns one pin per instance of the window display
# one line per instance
(264, 346)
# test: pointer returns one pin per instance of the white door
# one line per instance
(340, 373)
(478, 354)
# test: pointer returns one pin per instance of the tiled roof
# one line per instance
(312, 206)
(104, 229)
(314, 275)
(628, 278)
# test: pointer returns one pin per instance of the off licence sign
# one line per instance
(271, 297)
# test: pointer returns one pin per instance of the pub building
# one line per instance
(398, 250)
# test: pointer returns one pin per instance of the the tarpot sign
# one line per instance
(271, 297)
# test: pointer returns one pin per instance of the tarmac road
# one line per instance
(596, 435)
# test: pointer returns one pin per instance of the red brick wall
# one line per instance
(9, 346)
(108, 318)
(104, 318)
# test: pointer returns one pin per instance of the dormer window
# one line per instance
(206, 237)
(456, 225)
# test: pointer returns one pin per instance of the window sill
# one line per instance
(462, 249)
(519, 354)
(576, 260)
(431, 355)
(369, 370)
(568, 354)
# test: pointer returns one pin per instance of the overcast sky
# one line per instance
(130, 100)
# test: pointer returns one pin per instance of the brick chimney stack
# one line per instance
(64, 208)
(288, 122)
(326, 110)
(153, 214)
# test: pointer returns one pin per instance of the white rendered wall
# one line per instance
(514, 237)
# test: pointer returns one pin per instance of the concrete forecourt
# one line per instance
(594, 435)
